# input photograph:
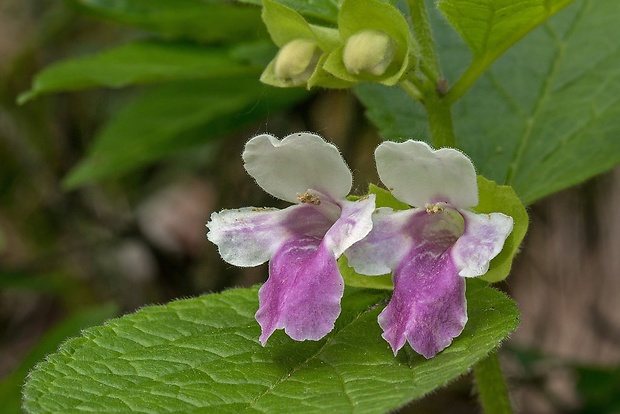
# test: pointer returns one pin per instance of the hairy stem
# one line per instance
(424, 37)
(492, 390)
(426, 87)
(439, 113)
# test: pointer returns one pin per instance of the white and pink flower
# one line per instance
(301, 242)
(429, 248)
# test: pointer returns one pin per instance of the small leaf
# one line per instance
(495, 198)
(186, 19)
(203, 355)
(137, 63)
(175, 117)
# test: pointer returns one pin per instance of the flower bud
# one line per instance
(368, 51)
(297, 60)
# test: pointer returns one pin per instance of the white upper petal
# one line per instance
(419, 175)
(296, 164)
(482, 240)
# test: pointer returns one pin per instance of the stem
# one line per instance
(425, 89)
(440, 121)
(491, 385)
(412, 90)
(467, 79)
(424, 36)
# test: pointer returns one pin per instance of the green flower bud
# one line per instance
(368, 51)
(296, 61)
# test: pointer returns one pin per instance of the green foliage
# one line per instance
(186, 19)
(138, 63)
(175, 117)
(203, 354)
(545, 117)
(490, 27)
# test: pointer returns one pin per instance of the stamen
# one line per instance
(308, 198)
(434, 208)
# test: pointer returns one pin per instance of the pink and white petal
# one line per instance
(303, 292)
(384, 247)
(482, 240)
(296, 164)
(419, 175)
(428, 307)
(250, 236)
(354, 223)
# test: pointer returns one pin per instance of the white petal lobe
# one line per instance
(482, 240)
(419, 175)
(296, 164)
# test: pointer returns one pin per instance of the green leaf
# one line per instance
(175, 117)
(187, 19)
(490, 27)
(10, 386)
(203, 355)
(138, 63)
(325, 10)
(545, 117)
(494, 198)
(557, 98)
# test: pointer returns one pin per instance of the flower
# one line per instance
(303, 241)
(430, 248)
